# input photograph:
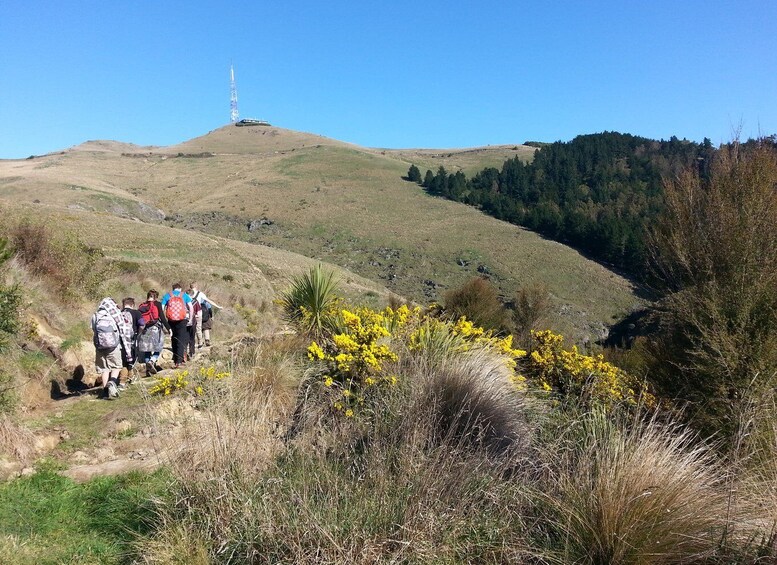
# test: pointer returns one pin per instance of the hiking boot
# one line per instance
(207, 343)
(122, 386)
(150, 369)
(158, 367)
(113, 391)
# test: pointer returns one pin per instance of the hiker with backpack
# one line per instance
(191, 324)
(177, 306)
(205, 318)
(132, 317)
(112, 338)
(151, 340)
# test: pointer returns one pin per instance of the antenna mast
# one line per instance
(233, 115)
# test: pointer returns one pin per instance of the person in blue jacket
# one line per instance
(177, 306)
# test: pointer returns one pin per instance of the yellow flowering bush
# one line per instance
(437, 337)
(583, 376)
(168, 384)
(181, 380)
(354, 357)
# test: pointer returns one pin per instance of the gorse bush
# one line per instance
(6, 252)
(72, 269)
(10, 303)
(357, 358)
(354, 356)
(361, 353)
(586, 379)
(193, 382)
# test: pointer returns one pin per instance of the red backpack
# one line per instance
(176, 309)
(149, 312)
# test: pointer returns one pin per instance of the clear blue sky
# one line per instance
(385, 74)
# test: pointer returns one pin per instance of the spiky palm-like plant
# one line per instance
(310, 301)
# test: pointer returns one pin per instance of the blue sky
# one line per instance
(385, 74)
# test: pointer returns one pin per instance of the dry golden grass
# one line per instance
(335, 494)
(636, 492)
(471, 161)
(16, 441)
(228, 270)
(327, 200)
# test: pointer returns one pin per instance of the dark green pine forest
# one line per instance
(597, 193)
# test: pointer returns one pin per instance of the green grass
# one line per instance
(86, 420)
(49, 519)
(75, 335)
(34, 361)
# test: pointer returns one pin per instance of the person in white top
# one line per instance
(204, 318)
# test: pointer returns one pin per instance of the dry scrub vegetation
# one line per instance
(411, 435)
(455, 461)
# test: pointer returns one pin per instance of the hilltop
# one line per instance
(328, 200)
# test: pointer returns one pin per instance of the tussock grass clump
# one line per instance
(470, 398)
(415, 483)
(372, 497)
(229, 446)
(754, 476)
(638, 492)
(15, 440)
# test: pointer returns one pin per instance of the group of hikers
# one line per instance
(127, 335)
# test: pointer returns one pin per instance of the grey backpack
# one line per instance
(106, 332)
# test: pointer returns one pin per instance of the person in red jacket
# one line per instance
(151, 340)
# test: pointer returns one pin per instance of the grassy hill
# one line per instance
(327, 200)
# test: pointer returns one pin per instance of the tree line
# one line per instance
(597, 193)
(702, 220)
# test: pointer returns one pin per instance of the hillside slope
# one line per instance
(328, 200)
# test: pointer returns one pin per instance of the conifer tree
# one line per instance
(413, 174)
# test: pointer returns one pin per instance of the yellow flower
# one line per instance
(350, 319)
(315, 352)
(349, 413)
(328, 381)
(345, 343)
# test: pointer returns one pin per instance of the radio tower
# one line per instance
(233, 115)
